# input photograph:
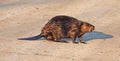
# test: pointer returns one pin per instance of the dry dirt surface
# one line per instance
(25, 18)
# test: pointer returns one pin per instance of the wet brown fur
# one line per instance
(65, 26)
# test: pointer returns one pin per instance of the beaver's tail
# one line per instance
(37, 37)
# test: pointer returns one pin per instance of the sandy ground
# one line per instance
(24, 18)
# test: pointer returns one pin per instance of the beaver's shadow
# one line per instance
(96, 35)
(86, 37)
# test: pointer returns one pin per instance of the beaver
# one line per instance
(65, 27)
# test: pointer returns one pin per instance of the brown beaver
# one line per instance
(65, 27)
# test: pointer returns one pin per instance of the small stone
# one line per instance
(36, 53)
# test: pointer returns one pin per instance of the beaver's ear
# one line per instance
(83, 27)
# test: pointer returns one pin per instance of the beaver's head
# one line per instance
(86, 27)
